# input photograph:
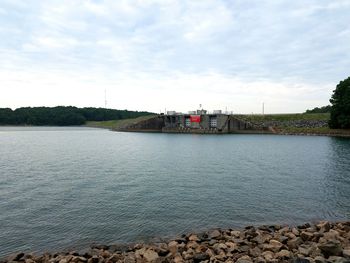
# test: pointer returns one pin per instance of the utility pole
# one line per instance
(263, 108)
(105, 98)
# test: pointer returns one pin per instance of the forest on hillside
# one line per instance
(63, 115)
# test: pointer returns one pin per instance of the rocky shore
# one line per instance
(319, 243)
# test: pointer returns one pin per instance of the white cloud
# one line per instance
(222, 53)
(177, 91)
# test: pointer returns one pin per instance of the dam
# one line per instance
(199, 121)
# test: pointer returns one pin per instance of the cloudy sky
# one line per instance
(173, 54)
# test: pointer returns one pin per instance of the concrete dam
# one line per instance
(195, 122)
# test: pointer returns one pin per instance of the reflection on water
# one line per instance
(64, 187)
(337, 180)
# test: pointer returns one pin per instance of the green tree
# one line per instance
(324, 109)
(340, 112)
(62, 115)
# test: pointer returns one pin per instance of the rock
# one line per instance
(192, 244)
(129, 259)
(243, 248)
(307, 225)
(273, 245)
(300, 260)
(214, 234)
(114, 258)
(181, 240)
(200, 249)
(119, 248)
(255, 252)
(268, 255)
(284, 254)
(244, 259)
(100, 247)
(222, 246)
(77, 259)
(331, 248)
(331, 235)
(346, 253)
(335, 259)
(178, 259)
(29, 260)
(93, 259)
(295, 231)
(265, 228)
(231, 246)
(15, 257)
(260, 260)
(323, 226)
(306, 236)
(305, 250)
(294, 243)
(221, 256)
(251, 233)
(200, 257)
(188, 255)
(236, 234)
(105, 254)
(173, 247)
(283, 239)
(193, 238)
(320, 259)
(139, 252)
(150, 255)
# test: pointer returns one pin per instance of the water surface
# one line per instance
(71, 187)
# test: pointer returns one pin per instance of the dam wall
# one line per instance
(199, 124)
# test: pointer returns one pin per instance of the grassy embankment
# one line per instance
(115, 124)
(285, 123)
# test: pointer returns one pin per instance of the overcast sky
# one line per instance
(157, 54)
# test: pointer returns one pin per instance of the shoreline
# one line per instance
(321, 242)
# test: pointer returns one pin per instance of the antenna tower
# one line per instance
(105, 98)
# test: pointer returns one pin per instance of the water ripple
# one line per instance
(62, 188)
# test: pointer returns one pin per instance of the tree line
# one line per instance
(340, 111)
(62, 115)
(340, 106)
(324, 109)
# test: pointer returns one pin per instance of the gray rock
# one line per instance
(129, 259)
(294, 243)
(331, 248)
(305, 236)
(300, 260)
(305, 250)
(336, 259)
(150, 255)
(214, 234)
(307, 225)
(346, 253)
(199, 257)
(244, 259)
(76, 259)
(15, 257)
(260, 260)
(320, 259)
(104, 247)
(283, 254)
(93, 259)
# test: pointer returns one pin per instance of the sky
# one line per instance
(159, 55)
